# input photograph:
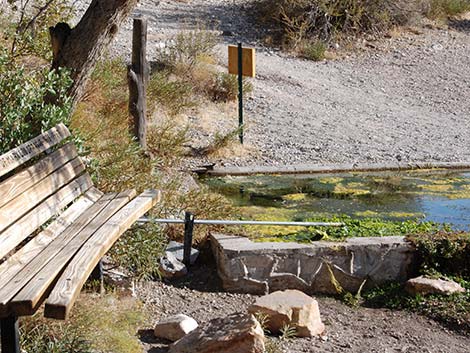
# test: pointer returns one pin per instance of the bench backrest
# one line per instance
(37, 180)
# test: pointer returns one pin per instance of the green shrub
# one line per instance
(452, 311)
(187, 48)
(444, 252)
(314, 50)
(139, 250)
(26, 26)
(447, 8)
(224, 87)
(23, 112)
(174, 95)
(166, 142)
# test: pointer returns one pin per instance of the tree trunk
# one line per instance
(82, 46)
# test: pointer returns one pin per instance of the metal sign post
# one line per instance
(241, 62)
(240, 93)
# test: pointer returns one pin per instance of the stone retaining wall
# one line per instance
(258, 268)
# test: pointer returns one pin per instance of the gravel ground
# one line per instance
(347, 329)
(405, 98)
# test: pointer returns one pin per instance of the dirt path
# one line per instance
(408, 99)
(347, 329)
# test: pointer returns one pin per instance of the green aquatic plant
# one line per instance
(366, 227)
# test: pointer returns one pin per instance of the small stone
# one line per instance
(170, 267)
(175, 327)
(236, 333)
(290, 307)
(423, 285)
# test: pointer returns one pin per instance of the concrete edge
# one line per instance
(335, 168)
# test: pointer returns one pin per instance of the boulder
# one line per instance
(236, 333)
(170, 267)
(423, 285)
(178, 251)
(175, 327)
(290, 307)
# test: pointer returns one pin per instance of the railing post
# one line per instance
(188, 237)
(240, 92)
(10, 336)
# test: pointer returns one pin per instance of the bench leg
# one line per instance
(10, 336)
(97, 275)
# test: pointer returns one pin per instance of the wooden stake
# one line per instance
(137, 75)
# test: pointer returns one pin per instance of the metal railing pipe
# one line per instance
(237, 222)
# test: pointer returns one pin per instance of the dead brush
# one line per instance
(297, 20)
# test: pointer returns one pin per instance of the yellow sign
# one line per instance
(248, 60)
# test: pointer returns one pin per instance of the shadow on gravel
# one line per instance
(147, 337)
(460, 25)
(201, 277)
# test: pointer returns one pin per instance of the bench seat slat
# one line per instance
(19, 206)
(78, 270)
(22, 257)
(10, 289)
(25, 226)
(29, 297)
(22, 181)
(28, 150)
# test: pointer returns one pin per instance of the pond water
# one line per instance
(439, 196)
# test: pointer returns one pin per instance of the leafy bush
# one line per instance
(186, 49)
(452, 311)
(447, 8)
(224, 87)
(165, 142)
(23, 111)
(187, 74)
(139, 250)
(174, 95)
(444, 252)
(26, 26)
(314, 50)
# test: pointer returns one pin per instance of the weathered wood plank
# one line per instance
(20, 182)
(26, 225)
(22, 257)
(30, 296)
(8, 290)
(30, 149)
(25, 202)
(78, 270)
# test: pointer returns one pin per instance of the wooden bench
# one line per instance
(54, 228)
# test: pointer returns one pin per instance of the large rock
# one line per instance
(175, 327)
(236, 333)
(170, 267)
(423, 285)
(262, 267)
(290, 307)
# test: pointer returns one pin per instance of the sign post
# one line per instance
(241, 62)
(240, 93)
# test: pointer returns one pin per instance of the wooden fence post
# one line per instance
(137, 75)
